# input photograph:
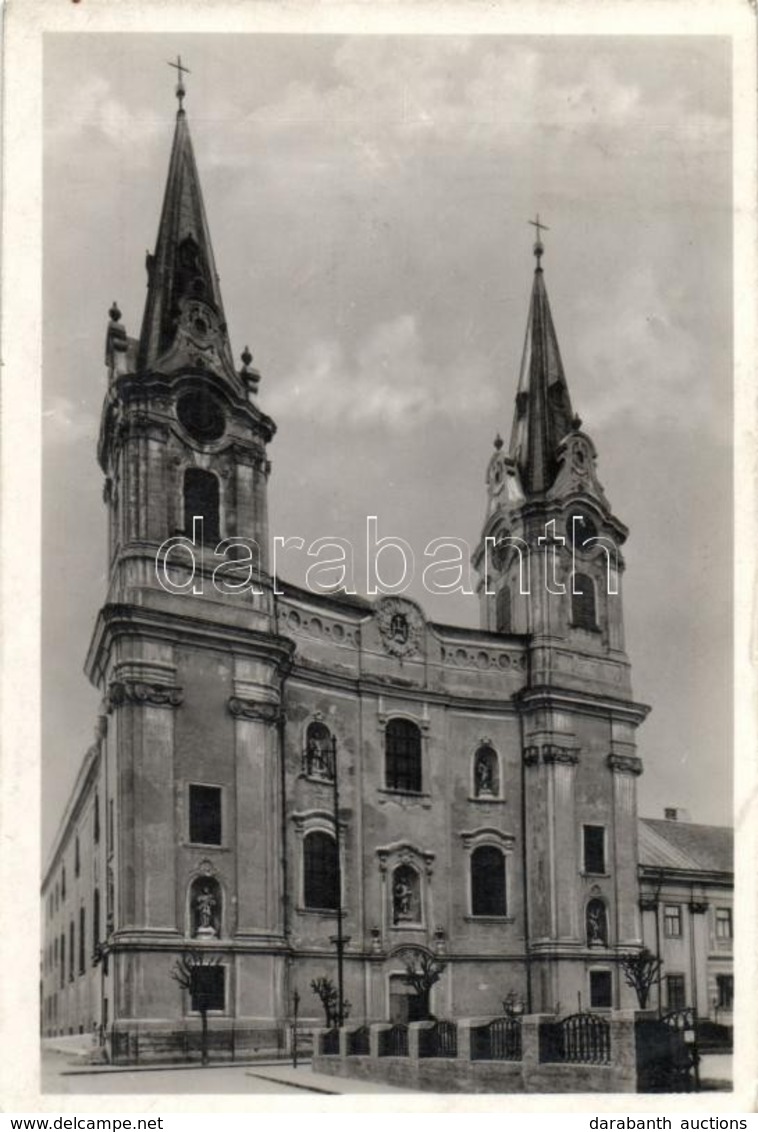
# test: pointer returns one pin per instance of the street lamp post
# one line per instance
(295, 1005)
(340, 942)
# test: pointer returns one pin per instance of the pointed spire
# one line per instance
(183, 311)
(543, 413)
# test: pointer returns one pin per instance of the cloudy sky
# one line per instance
(368, 199)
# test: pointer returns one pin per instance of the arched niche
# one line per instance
(205, 908)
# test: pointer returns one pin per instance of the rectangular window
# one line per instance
(594, 849)
(205, 815)
(723, 923)
(601, 989)
(672, 920)
(208, 988)
(95, 921)
(82, 937)
(725, 991)
(675, 992)
(71, 950)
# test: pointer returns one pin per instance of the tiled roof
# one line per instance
(685, 845)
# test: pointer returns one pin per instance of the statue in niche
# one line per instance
(206, 906)
(597, 924)
(405, 895)
(317, 751)
(485, 772)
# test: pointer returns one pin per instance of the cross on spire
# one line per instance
(538, 245)
(182, 71)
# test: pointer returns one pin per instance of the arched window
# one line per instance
(63, 883)
(320, 871)
(205, 908)
(406, 895)
(583, 606)
(403, 756)
(503, 610)
(597, 924)
(201, 498)
(488, 882)
(486, 773)
(318, 751)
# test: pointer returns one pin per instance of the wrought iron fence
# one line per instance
(330, 1041)
(358, 1042)
(498, 1040)
(394, 1042)
(440, 1040)
(582, 1038)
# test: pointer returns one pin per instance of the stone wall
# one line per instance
(461, 1074)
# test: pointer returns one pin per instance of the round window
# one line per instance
(201, 416)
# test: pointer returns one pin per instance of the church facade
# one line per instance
(485, 778)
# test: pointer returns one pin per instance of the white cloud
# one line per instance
(93, 107)
(388, 381)
(640, 362)
(66, 421)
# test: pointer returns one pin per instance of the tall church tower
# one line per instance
(550, 567)
(186, 654)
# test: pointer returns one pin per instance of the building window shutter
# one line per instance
(503, 610)
(201, 498)
(583, 605)
(321, 871)
(488, 882)
(205, 815)
(403, 756)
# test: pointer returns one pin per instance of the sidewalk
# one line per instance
(303, 1078)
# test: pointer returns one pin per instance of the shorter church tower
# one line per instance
(550, 567)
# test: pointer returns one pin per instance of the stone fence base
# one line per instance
(135, 1043)
(533, 1072)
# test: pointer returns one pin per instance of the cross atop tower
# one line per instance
(182, 71)
(538, 245)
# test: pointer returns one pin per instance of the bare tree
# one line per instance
(325, 990)
(640, 970)
(188, 973)
(422, 972)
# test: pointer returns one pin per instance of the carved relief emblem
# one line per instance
(401, 625)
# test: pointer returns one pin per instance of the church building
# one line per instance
(486, 777)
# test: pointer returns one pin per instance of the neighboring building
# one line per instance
(487, 777)
(687, 895)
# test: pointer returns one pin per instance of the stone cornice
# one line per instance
(624, 764)
(551, 753)
(256, 710)
(125, 620)
(532, 699)
(554, 753)
(121, 692)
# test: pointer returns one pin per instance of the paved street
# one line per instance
(62, 1074)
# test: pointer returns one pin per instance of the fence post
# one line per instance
(624, 1050)
(465, 1026)
(345, 1040)
(375, 1031)
(530, 1043)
